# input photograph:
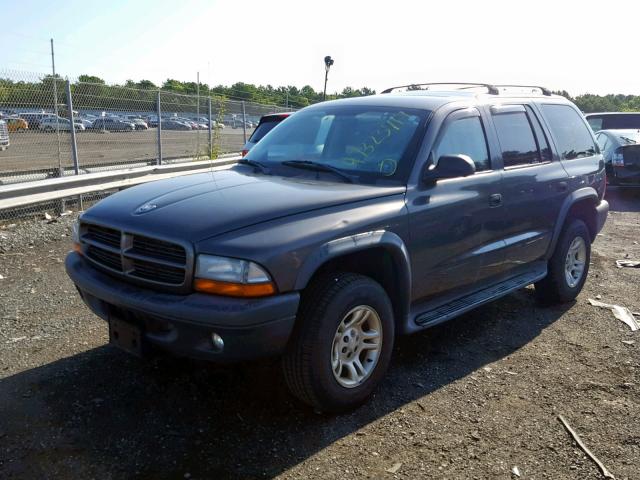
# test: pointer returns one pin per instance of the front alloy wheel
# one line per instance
(341, 345)
(356, 346)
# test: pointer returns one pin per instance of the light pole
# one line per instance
(328, 61)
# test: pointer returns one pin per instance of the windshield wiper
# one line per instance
(318, 167)
(260, 166)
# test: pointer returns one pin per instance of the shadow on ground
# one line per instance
(103, 414)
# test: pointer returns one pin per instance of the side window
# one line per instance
(573, 136)
(465, 137)
(603, 141)
(516, 139)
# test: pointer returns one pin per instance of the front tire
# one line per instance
(568, 266)
(342, 343)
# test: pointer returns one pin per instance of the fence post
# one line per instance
(74, 145)
(158, 111)
(210, 128)
(244, 123)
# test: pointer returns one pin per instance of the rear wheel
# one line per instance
(569, 265)
(342, 344)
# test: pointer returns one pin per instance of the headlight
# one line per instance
(231, 276)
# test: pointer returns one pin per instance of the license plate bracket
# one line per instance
(125, 336)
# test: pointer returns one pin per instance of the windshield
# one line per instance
(630, 137)
(371, 143)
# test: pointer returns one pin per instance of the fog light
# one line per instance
(218, 343)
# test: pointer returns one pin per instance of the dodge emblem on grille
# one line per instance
(147, 207)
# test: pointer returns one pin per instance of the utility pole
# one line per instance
(198, 115)
(328, 61)
(55, 107)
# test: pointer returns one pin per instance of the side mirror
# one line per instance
(449, 166)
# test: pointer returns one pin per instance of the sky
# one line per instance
(578, 46)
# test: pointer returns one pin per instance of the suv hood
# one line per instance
(199, 206)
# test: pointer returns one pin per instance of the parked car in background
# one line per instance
(152, 121)
(621, 150)
(372, 217)
(50, 124)
(83, 121)
(112, 125)
(4, 135)
(16, 124)
(265, 125)
(33, 119)
(139, 123)
(613, 120)
(175, 125)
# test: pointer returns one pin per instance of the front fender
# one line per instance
(390, 241)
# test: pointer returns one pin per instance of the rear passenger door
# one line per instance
(534, 184)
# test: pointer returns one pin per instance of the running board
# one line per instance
(458, 307)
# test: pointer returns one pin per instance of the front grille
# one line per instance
(159, 273)
(158, 249)
(104, 257)
(138, 257)
(103, 235)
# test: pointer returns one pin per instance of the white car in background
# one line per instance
(49, 124)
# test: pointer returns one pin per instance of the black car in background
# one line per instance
(621, 150)
(112, 125)
(265, 125)
(613, 120)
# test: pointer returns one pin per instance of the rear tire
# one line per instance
(568, 266)
(336, 356)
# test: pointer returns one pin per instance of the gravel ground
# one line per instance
(470, 399)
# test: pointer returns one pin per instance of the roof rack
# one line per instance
(491, 89)
(545, 91)
(414, 86)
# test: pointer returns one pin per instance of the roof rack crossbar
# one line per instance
(490, 88)
(544, 90)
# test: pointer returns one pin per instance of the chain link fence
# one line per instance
(113, 126)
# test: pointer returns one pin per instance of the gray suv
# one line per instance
(353, 222)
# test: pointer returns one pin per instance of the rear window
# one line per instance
(265, 127)
(572, 135)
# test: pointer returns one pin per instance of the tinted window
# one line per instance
(541, 138)
(516, 139)
(573, 136)
(264, 128)
(465, 137)
(620, 121)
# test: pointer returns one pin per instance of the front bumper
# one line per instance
(183, 324)
(602, 210)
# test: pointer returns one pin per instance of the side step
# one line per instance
(461, 305)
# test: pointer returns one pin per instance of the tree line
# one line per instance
(90, 91)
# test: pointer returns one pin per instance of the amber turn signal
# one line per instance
(234, 289)
(77, 248)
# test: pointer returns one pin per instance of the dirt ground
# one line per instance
(470, 399)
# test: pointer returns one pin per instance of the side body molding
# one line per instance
(391, 242)
(575, 196)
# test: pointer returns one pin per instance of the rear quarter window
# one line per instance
(264, 128)
(573, 137)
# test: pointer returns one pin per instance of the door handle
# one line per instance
(495, 200)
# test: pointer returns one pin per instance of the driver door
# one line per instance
(455, 223)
